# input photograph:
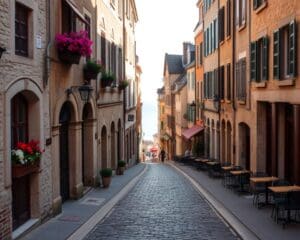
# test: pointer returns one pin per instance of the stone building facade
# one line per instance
(24, 112)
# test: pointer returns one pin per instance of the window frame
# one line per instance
(25, 51)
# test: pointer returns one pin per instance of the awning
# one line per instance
(76, 11)
(190, 132)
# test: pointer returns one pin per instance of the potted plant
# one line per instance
(106, 174)
(91, 69)
(107, 79)
(121, 167)
(71, 46)
(25, 158)
(123, 84)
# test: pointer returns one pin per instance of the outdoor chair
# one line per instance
(215, 170)
(258, 189)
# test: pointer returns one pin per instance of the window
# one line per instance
(228, 81)
(240, 13)
(113, 3)
(201, 53)
(68, 18)
(221, 75)
(88, 25)
(228, 18)
(241, 79)
(120, 9)
(21, 30)
(19, 120)
(258, 3)
(221, 24)
(162, 125)
(284, 55)
(211, 38)
(120, 63)
(103, 50)
(259, 60)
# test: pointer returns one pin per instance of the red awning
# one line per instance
(190, 132)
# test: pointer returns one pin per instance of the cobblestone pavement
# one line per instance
(163, 205)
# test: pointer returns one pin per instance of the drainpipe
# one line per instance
(219, 100)
(233, 79)
(249, 82)
(124, 75)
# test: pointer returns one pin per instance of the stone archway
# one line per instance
(104, 148)
(244, 145)
(113, 146)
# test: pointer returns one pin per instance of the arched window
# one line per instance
(19, 120)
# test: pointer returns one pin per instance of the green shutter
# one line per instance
(276, 54)
(292, 49)
(253, 71)
(255, 4)
(265, 58)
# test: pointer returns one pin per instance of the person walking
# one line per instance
(162, 155)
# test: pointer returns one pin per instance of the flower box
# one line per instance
(71, 46)
(20, 170)
(69, 57)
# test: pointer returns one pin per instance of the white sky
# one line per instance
(162, 28)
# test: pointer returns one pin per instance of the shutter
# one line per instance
(216, 94)
(292, 49)
(255, 4)
(237, 12)
(253, 54)
(216, 33)
(276, 54)
(265, 58)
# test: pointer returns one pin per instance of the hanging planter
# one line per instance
(71, 46)
(69, 57)
(91, 70)
(107, 79)
(123, 84)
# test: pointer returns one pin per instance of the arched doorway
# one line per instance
(103, 147)
(119, 139)
(244, 142)
(229, 156)
(223, 142)
(113, 146)
(20, 186)
(64, 121)
(87, 145)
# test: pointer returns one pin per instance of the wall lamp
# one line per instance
(84, 91)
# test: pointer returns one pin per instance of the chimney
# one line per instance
(185, 53)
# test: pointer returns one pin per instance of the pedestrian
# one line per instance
(162, 155)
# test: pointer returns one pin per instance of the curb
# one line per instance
(82, 231)
(242, 230)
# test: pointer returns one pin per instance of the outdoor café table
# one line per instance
(285, 189)
(267, 181)
(239, 174)
(211, 163)
(228, 168)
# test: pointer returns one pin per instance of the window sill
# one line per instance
(260, 84)
(222, 42)
(228, 101)
(242, 27)
(259, 9)
(286, 82)
(228, 37)
(241, 102)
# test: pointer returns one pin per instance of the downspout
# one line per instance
(249, 82)
(233, 80)
(219, 100)
(124, 75)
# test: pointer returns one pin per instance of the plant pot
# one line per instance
(106, 181)
(121, 170)
(88, 75)
(69, 57)
(105, 83)
(19, 170)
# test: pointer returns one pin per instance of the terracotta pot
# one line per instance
(69, 57)
(106, 181)
(19, 170)
(121, 170)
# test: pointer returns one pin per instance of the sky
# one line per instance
(162, 28)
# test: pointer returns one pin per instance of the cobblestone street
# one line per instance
(163, 205)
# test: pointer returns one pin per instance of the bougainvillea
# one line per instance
(74, 42)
